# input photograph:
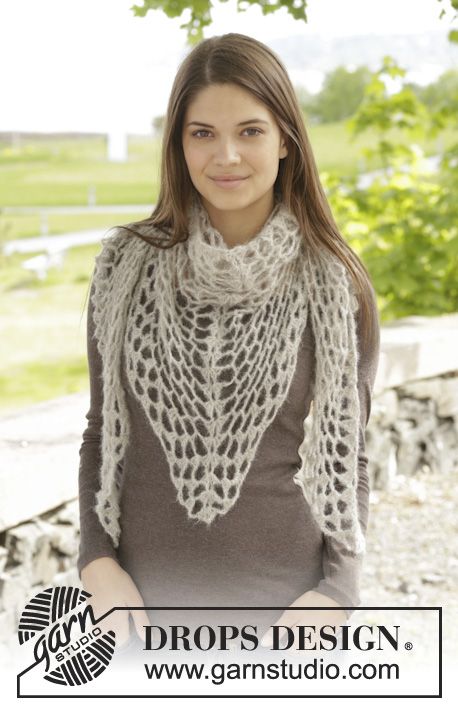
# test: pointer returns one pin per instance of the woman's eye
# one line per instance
(256, 129)
(199, 131)
(202, 130)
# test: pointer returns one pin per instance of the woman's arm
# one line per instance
(342, 569)
(94, 541)
(101, 575)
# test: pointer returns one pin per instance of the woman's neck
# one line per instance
(239, 226)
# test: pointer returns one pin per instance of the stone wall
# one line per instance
(413, 426)
(35, 555)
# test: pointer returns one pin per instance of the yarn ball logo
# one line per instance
(75, 661)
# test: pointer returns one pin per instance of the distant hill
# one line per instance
(424, 55)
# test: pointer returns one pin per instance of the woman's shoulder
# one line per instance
(136, 236)
(118, 244)
(118, 237)
(115, 240)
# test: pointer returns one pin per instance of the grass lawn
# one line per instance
(44, 331)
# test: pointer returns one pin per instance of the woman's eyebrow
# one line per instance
(242, 123)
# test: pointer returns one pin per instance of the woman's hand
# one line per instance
(335, 616)
(110, 586)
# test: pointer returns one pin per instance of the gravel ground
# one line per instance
(412, 550)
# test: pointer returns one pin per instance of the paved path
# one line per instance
(60, 242)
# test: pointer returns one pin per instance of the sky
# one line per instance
(91, 65)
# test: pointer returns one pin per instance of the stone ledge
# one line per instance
(39, 448)
(416, 348)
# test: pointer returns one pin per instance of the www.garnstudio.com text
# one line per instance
(219, 672)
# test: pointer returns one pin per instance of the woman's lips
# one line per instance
(228, 184)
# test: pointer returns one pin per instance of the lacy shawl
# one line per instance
(211, 336)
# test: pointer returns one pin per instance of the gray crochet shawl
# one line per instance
(210, 335)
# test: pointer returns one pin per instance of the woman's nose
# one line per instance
(226, 150)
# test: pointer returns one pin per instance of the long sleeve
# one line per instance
(342, 569)
(94, 541)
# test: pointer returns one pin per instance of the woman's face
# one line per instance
(221, 146)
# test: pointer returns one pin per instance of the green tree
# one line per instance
(438, 93)
(340, 96)
(404, 224)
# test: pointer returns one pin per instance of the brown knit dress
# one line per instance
(266, 551)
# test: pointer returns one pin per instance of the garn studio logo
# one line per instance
(75, 661)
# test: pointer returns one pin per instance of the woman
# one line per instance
(212, 327)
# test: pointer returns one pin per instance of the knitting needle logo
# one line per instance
(73, 649)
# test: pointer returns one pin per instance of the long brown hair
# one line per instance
(244, 61)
